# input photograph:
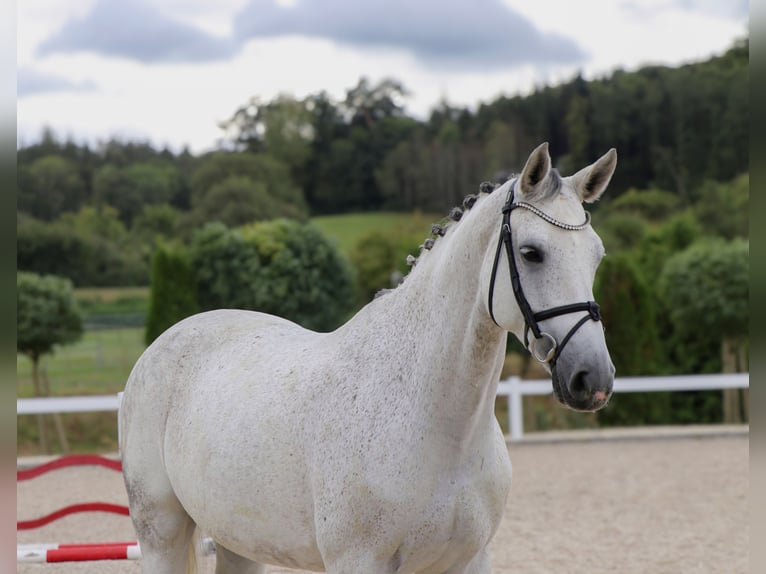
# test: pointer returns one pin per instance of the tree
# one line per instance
(366, 104)
(303, 277)
(628, 311)
(226, 268)
(46, 316)
(621, 231)
(82, 255)
(706, 289)
(173, 291)
(658, 245)
(271, 175)
(282, 267)
(49, 186)
(155, 223)
(403, 176)
(104, 223)
(650, 204)
(282, 128)
(239, 200)
(722, 208)
(130, 188)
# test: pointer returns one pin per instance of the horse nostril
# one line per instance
(579, 386)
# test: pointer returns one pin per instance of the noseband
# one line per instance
(530, 318)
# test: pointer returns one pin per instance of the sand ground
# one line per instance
(635, 504)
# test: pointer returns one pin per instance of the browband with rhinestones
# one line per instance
(553, 221)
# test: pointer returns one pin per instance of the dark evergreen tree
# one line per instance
(173, 291)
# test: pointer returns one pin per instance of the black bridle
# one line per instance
(531, 318)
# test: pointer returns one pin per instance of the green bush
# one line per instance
(723, 208)
(707, 288)
(303, 277)
(650, 204)
(282, 267)
(173, 292)
(628, 311)
(705, 293)
(226, 268)
(673, 236)
(621, 231)
(88, 259)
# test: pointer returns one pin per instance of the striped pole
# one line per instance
(51, 552)
(78, 552)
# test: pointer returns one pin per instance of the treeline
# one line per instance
(94, 213)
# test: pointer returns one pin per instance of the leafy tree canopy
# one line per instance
(226, 268)
(47, 314)
(723, 208)
(173, 294)
(130, 188)
(239, 200)
(707, 287)
(304, 278)
(258, 168)
(281, 267)
(48, 186)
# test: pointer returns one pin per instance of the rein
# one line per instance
(531, 318)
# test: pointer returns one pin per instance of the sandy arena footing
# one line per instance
(646, 501)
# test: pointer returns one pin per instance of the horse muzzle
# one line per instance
(583, 390)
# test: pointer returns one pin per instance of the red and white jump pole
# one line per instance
(89, 551)
(77, 552)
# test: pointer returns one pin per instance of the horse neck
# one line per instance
(438, 332)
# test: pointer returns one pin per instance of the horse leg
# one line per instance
(226, 562)
(163, 528)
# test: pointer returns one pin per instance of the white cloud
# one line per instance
(136, 30)
(30, 81)
(482, 34)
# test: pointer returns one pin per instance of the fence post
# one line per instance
(515, 409)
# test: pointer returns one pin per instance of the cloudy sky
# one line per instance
(168, 71)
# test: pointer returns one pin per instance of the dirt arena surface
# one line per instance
(638, 504)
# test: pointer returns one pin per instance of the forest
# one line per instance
(100, 214)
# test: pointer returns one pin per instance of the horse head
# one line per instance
(540, 275)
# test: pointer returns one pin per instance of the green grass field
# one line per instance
(99, 363)
(347, 230)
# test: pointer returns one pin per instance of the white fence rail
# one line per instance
(514, 388)
(86, 404)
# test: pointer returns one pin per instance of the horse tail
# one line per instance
(191, 560)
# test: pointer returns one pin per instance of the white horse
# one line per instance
(373, 448)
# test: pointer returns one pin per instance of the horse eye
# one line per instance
(531, 255)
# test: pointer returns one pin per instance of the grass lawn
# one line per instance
(110, 295)
(99, 363)
(347, 230)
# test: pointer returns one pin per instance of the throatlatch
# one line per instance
(531, 318)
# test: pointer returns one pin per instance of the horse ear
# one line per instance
(591, 181)
(536, 169)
